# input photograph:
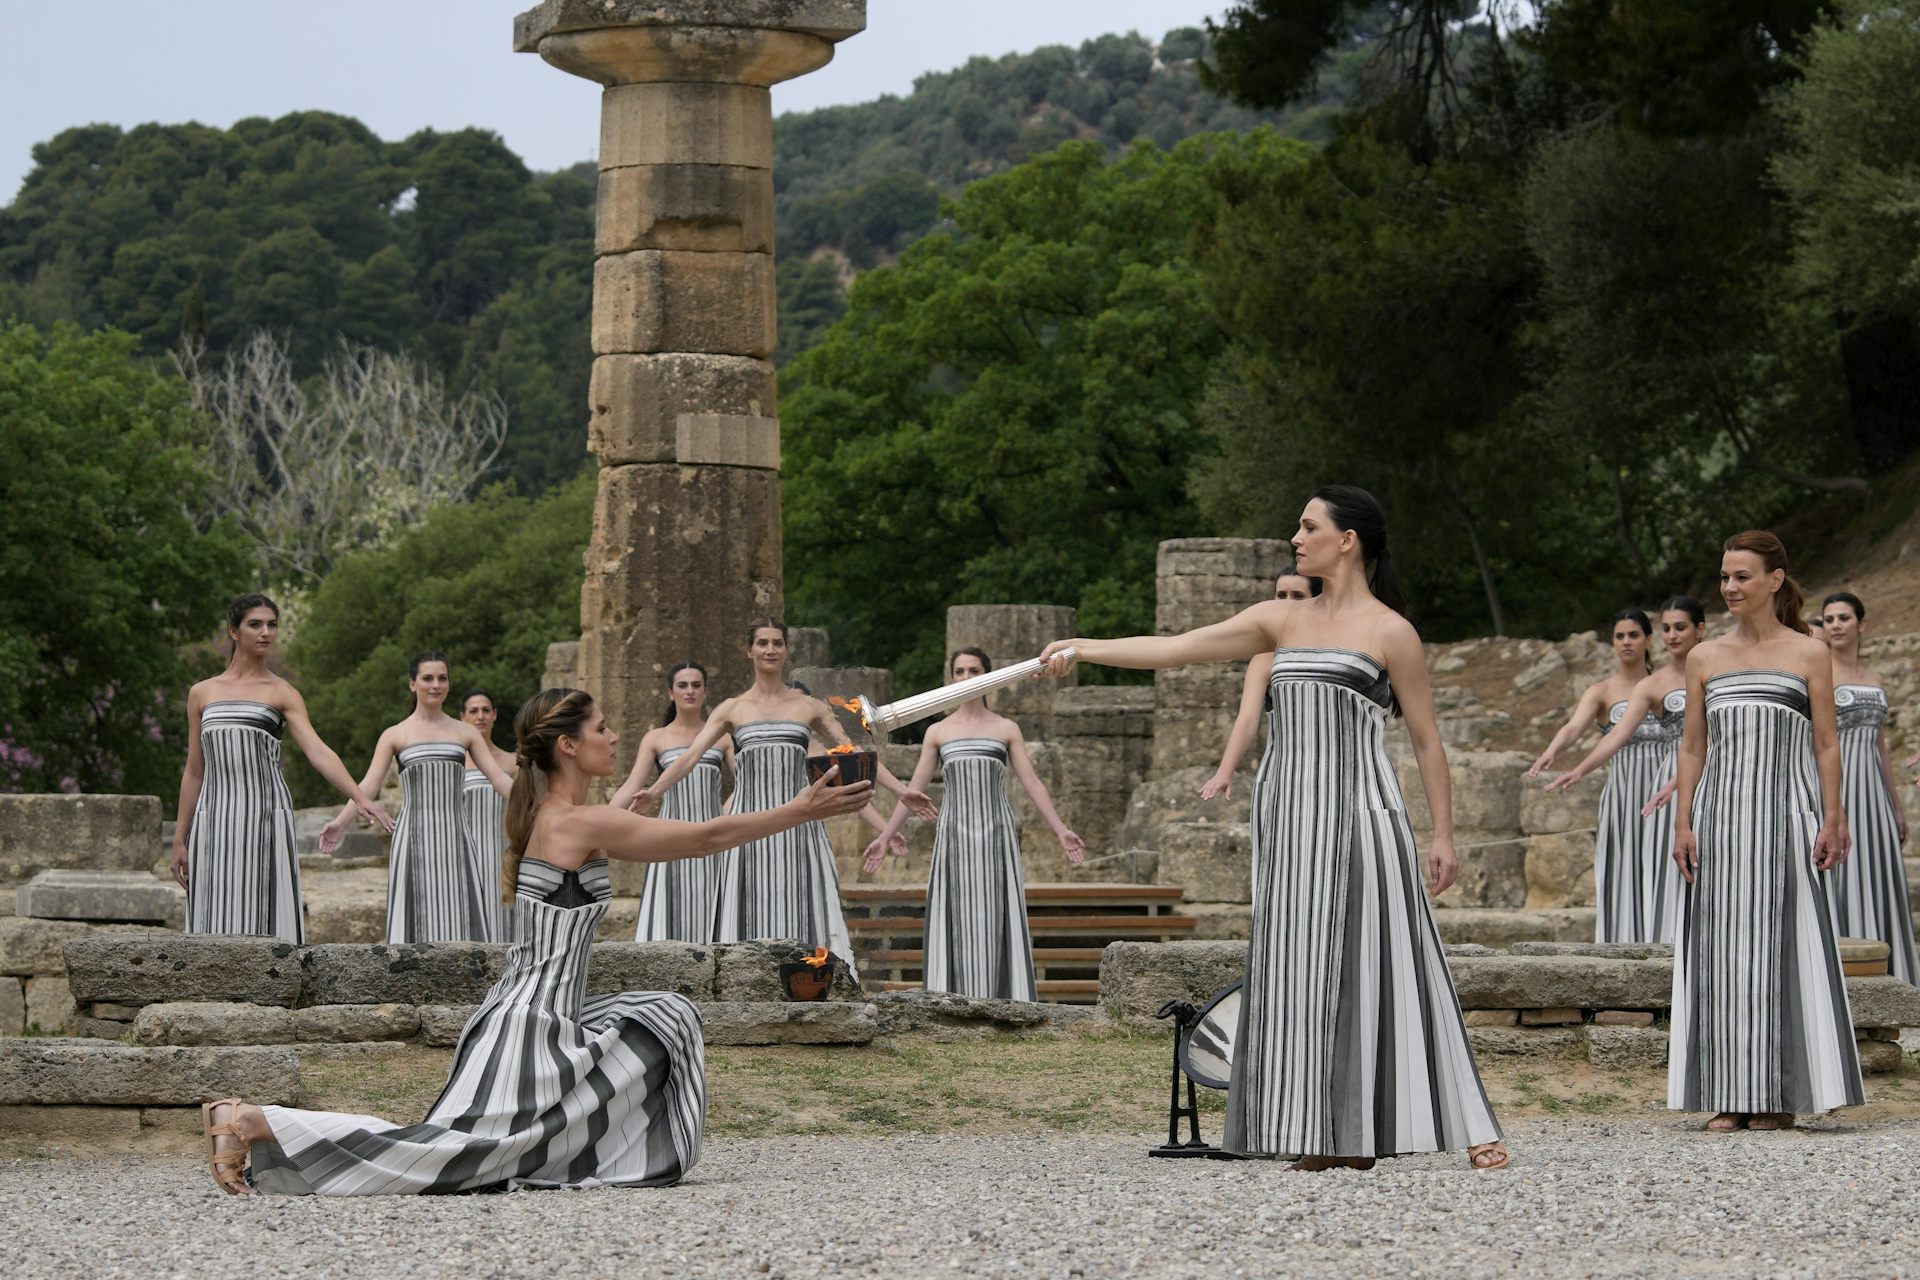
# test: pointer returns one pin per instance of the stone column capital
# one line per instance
(752, 42)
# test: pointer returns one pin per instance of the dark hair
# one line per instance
(802, 688)
(971, 651)
(544, 719)
(1848, 599)
(1789, 600)
(1293, 571)
(237, 613)
(1354, 508)
(1638, 619)
(477, 692)
(677, 669)
(413, 672)
(765, 624)
(1687, 605)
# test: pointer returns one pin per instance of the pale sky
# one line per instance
(402, 65)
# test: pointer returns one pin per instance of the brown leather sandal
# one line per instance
(1728, 1122)
(1488, 1155)
(227, 1166)
(1772, 1120)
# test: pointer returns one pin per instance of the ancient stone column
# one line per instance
(1013, 633)
(1203, 580)
(686, 531)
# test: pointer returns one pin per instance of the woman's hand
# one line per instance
(876, 853)
(1073, 847)
(1443, 865)
(1686, 852)
(1059, 663)
(1831, 846)
(920, 805)
(1544, 763)
(178, 863)
(822, 801)
(1658, 800)
(371, 812)
(644, 802)
(334, 832)
(1220, 784)
(1571, 777)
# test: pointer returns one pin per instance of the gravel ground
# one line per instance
(1624, 1197)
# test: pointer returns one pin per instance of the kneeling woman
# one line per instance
(548, 1088)
(1351, 1042)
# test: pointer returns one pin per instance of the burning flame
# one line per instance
(854, 706)
(818, 958)
(844, 749)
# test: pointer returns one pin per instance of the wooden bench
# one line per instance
(888, 925)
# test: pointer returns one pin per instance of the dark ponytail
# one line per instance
(672, 710)
(1351, 507)
(1789, 602)
(546, 717)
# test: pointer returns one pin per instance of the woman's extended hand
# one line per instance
(1658, 800)
(1544, 763)
(1074, 847)
(822, 800)
(1443, 865)
(920, 805)
(371, 812)
(1220, 784)
(1686, 853)
(1570, 778)
(1058, 663)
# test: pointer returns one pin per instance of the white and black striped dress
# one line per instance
(1760, 1018)
(1351, 1041)
(243, 869)
(486, 814)
(677, 901)
(977, 943)
(1870, 888)
(549, 1087)
(784, 886)
(1633, 871)
(438, 888)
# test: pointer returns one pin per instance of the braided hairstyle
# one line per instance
(544, 719)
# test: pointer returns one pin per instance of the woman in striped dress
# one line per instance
(486, 808)
(976, 941)
(677, 902)
(440, 888)
(1635, 886)
(233, 849)
(1351, 1044)
(1761, 1028)
(1870, 888)
(549, 1088)
(784, 886)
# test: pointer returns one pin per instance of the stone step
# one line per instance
(119, 897)
(54, 1072)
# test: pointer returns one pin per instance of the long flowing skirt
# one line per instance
(1869, 888)
(977, 941)
(1633, 872)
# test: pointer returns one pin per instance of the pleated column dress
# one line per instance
(784, 886)
(677, 901)
(243, 869)
(438, 888)
(1633, 872)
(1870, 888)
(977, 942)
(1760, 1017)
(486, 813)
(1350, 1041)
(549, 1088)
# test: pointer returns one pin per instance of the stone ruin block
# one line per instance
(1013, 633)
(1210, 861)
(99, 1073)
(122, 897)
(84, 832)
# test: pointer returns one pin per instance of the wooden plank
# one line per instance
(1054, 989)
(1141, 927)
(905, 894)
(1041, 956)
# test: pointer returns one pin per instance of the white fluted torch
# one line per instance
(904, 711)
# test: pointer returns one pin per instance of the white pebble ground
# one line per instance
(1643, 1196)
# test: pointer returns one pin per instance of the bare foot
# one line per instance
(1489, 1155)
(1727, 1122)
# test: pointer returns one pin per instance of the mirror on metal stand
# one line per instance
(1203, 1053)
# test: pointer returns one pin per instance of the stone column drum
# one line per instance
(686, 532)
(1204, 580)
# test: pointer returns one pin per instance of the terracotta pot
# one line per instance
(806, 981)
(855, 766)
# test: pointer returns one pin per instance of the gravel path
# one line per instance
(1626, 1197)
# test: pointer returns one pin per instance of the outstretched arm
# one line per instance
(922, 775)
(644, 760)
(383, 752)
(1638, 705)
(633, 838)
(646, 798)
(1584, 713)
(1253, 699)
(1244, 634)
(1037, 792)
(1831, 846)
(485, 761)
(327, 764)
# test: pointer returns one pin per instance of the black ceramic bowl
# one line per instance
(855, 766)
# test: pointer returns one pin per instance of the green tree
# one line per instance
(1010, 413)
(489, 582)
(103, 577)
